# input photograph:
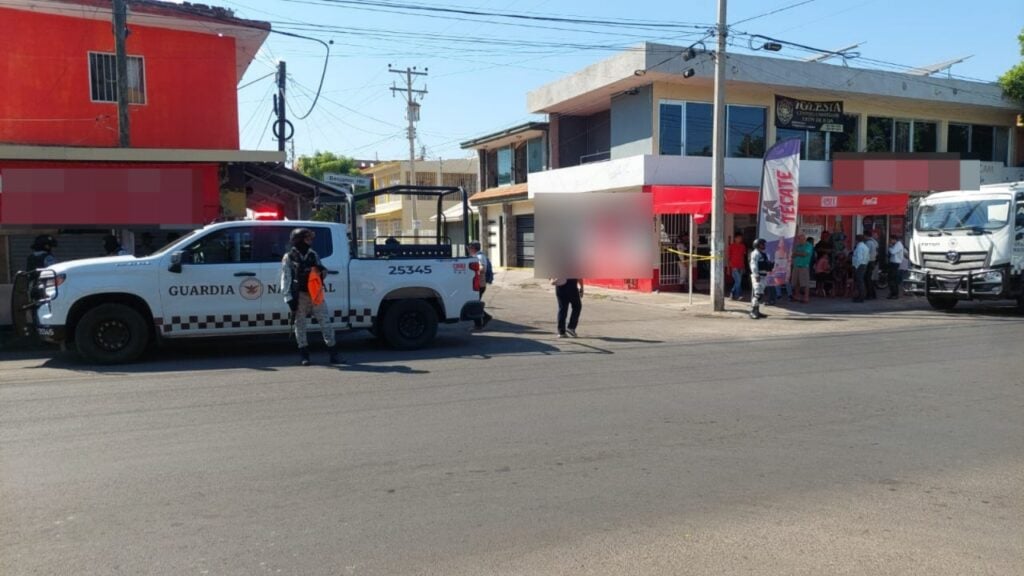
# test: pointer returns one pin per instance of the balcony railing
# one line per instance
(596, 157)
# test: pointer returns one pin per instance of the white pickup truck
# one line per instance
(224, 280)
(969, 245)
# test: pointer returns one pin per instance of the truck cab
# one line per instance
(969, 245)
(225, 280)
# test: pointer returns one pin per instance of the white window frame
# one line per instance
(142, 68)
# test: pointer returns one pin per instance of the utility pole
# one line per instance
(412, 114)
(121, 63)
(718, 175)
(279, 106)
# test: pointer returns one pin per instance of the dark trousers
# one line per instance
(869, 282)
(894, 280)
(858, 281)
(568, 295)
(479, 322)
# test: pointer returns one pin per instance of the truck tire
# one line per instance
(409, 324)
(111, 334)
(940, 303)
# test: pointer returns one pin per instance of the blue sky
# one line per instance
(481, 67)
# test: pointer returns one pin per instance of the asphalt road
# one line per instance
(657, 443)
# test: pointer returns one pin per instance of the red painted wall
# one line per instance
(44, 68)
(110, 194)
(895, 172)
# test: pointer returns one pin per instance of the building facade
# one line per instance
(506, 160)
(641, 122)
(62, 171)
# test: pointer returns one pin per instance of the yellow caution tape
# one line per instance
(692, 256)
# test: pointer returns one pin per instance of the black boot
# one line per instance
(304, 356)
(334, 357)
(755, 312)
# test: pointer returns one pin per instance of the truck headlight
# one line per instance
(993, 277)
(915, 276)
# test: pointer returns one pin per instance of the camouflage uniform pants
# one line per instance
(302, 314)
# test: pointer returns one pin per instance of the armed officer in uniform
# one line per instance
(296, 267)
(760, 267)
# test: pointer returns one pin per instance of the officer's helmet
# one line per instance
(298, 234)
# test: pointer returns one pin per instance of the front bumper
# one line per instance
(473, 310)
(972, 285)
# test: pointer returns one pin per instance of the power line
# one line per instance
(776, 11)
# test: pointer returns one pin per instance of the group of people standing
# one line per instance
(836, 272)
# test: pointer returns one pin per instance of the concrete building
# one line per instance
(62, 171)
(641, 122)
(506, 159)
(394, 215)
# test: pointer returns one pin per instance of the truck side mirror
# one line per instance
(176, 259)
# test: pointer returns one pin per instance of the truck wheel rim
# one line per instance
(411, 325)
(112, 335)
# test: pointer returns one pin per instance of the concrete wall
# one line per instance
(632, 117)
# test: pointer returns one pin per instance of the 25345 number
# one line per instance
(402, 270)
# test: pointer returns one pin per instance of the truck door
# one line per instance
(274, 243)
(1017, 255)
(214, 293)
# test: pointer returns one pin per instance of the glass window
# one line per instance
(228, 246)
(699, 122)
(103, 78)
(925, 136)
(535, 155)
(982, 139)
(964, 215)
(845, 141)
(901, 136)
(789, 133)
(670, 131)
(504, 166)
(958, 139)
(1001, 144)
(879, 134)
(273, 242)
(746, 131)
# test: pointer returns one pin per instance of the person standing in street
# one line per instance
(869, 274)
(486, 277)
(861, 257)
(569, 292)
(42, 253)
(297, 266)
(896, 257)
(802, 252)
(737, 262)
(760, 268)
(112, 247)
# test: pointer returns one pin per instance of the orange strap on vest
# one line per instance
(316, 287)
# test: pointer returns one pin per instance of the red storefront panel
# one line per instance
(697, 200)
(850, 204)
(896, 172)
(62, 194)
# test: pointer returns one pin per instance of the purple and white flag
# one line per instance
(780, 189)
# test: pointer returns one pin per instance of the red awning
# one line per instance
(813, 201)
(697, 200)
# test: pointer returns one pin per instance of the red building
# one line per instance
(61, 170)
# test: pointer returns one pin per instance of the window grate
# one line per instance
(103, 78)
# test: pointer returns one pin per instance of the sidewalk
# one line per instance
(522, 279)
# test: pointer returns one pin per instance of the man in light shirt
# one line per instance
(869, 273)
(896, 257)
(861, 257)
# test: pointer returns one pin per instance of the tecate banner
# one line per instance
(780, 191)
(594, 235)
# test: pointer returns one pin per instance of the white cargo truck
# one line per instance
(969, 245)
(223, 280)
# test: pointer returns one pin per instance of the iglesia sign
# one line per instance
(798, 114)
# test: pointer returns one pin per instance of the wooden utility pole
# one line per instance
(121, 63)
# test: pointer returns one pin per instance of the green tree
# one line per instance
(1013, 81)
(315, 167)
(320, 163)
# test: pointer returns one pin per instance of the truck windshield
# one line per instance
(964, 215)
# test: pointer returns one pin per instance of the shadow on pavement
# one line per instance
(363, 352)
